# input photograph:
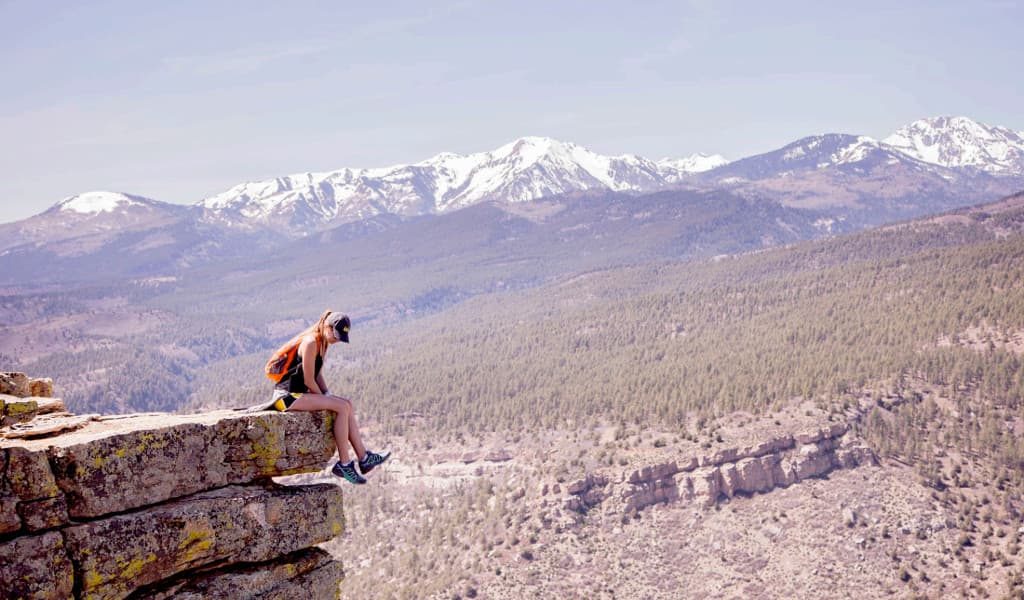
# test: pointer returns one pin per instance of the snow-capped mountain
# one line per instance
(856, 178)
(102, 235)
(525, 169)
(92, 215)
(930, 166)
(953, 149)
(847, 153)
(962, 142)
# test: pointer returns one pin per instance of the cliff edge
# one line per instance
(159, 505)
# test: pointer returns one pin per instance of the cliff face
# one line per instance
(759, 467)
(155, 505)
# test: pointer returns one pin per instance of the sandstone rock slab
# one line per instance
(114, 465)
(116, 555)
(21, 385)
(720, 457)
(18, 410)
(28, 475)
(14, 384)
(765, 447)
(29, 495)
(811, 461)
(706, 483)
(37, 515)
(35, 566)
(752, 476)
(823, 433)
(46, 425)
(10, 520)
(40, 387)
(309, 573)
(652, 473)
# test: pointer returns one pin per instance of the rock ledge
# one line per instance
(161, 505)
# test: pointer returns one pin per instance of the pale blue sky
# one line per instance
(180, 100)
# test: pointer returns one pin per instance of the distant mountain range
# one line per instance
(846, 181)
(537, 167)
(526, 169)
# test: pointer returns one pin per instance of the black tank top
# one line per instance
(295, 381)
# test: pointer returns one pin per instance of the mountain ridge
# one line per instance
(522, 170)
(533, 167)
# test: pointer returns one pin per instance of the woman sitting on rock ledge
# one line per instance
(301, 388)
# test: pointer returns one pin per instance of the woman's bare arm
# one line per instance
(320, 382)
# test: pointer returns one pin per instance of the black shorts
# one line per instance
(283, 399)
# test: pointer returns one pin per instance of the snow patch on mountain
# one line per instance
(97, 202)
(695, 163)
(854, 152)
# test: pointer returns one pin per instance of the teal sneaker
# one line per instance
(348, 472)
(371, 460)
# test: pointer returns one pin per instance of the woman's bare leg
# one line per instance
(354, 437)
(342, 417)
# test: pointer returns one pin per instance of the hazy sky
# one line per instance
(180, 100)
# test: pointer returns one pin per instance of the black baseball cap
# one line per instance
(341, 324)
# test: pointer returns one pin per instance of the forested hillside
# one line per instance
(119, 345)
(659, 342)
(674, 344)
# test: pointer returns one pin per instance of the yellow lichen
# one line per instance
(93, 579)
(149, 441)
(266, 448)
(131, 569)
(146, 443)
(195, 544)
(21, 407)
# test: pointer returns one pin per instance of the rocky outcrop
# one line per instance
(728, 472)
(20, 385)
(22, 398)
(158, 505)
(586, 493)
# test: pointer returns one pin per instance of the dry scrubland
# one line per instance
(912, 335)
(495, 517)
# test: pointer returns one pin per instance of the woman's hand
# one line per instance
(322, 384)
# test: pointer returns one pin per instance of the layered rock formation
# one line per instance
(756, 468)
(159, 505)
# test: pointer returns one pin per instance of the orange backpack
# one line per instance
(282, 361)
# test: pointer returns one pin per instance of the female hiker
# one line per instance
(295, 368)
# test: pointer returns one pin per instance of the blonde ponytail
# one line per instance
(317, 331)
